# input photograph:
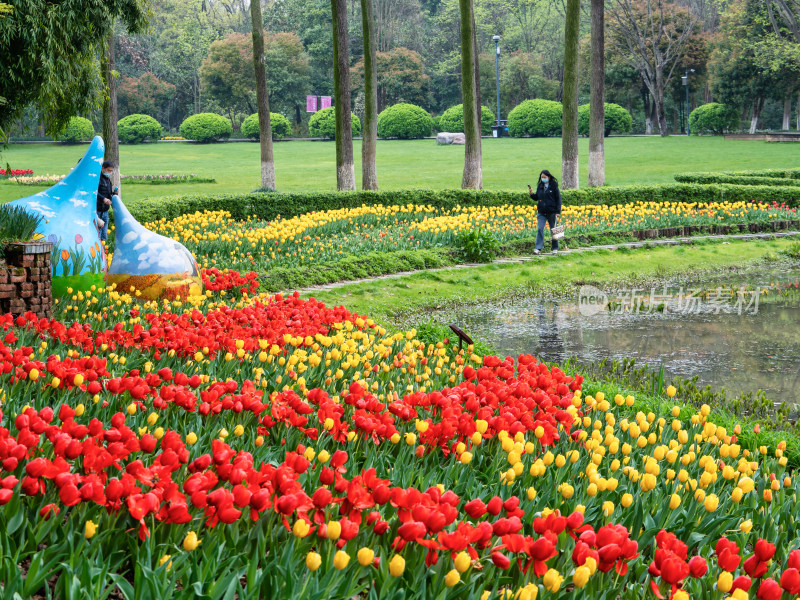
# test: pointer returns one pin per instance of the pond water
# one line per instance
(740, 331)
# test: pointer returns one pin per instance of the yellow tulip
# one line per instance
(365, 556)
(552, 580)
(340, 560)
(301, 529)
(90, 529)
(313, 561)
(581, 577)
(452, 578)
(462, 561)
(397, 565)
(334, 530)
(190, 542)
(725, 582)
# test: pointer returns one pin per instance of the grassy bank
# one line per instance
(310, 166)
(390, 299)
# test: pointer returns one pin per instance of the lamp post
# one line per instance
(685, 80)
(496, 39)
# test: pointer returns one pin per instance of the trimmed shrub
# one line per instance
(452, 120)
(535, 118)
(743, 178)
(206, 128)
(617, 119)
(323, 124)
(779, 173)
(713, 118)
(77, 130)
(280, 126)
(135, 129)
(404, 121)
(269, 206)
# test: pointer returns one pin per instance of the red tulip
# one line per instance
(769, 590)
(500, 560)
(412, 531)
(322, 497)
(764, 550)
(754, 567)
(698, 566)
(382, 494)
(728, 560)
(494, 506)
(673, 569)
(743, 582)
(790, 581)
(475, 508)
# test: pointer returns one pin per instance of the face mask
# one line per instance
(106, 174)
(545, 180)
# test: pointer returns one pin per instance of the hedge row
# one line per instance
(779, 173)
(745, 179)
(269, 206)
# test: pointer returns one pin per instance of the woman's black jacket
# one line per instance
(549, 200)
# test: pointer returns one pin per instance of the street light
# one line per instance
(685, 80)
(496, 39)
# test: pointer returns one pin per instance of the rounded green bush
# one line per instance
(323, 124)
(135, 129)
(452, 120)
(404, 121)
(280, 126)
(535, 118)
(713, 118)
(206, 127)
(77, 130)
(618, 119)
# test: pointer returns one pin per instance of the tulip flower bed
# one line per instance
(15, 172)
(220, 241)
(239, 445)
(23, 178)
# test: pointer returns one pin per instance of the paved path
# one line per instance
(521, 259)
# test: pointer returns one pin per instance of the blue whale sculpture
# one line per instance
(69, 211)
(153, 265)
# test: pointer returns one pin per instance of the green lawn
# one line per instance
(309, 166)
(390, 301)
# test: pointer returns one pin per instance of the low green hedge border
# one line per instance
(780, 173)
(269, 206)
(750, 180)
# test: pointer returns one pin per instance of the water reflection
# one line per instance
(740, 352)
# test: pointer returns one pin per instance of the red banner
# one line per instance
(311, 104)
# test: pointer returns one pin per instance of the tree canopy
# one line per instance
(49, 52)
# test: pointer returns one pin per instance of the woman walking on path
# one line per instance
(548, 208)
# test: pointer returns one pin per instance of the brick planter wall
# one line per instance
(25, 279)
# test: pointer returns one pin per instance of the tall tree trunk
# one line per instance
(757, 106)
(648, 113)
(345, 167)
(110, 135)
(262, 98)
(369, 140)
(661, 113)
(477, 74)
(597, 118)
(569, 132)
(787, 113)
(473, 164)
